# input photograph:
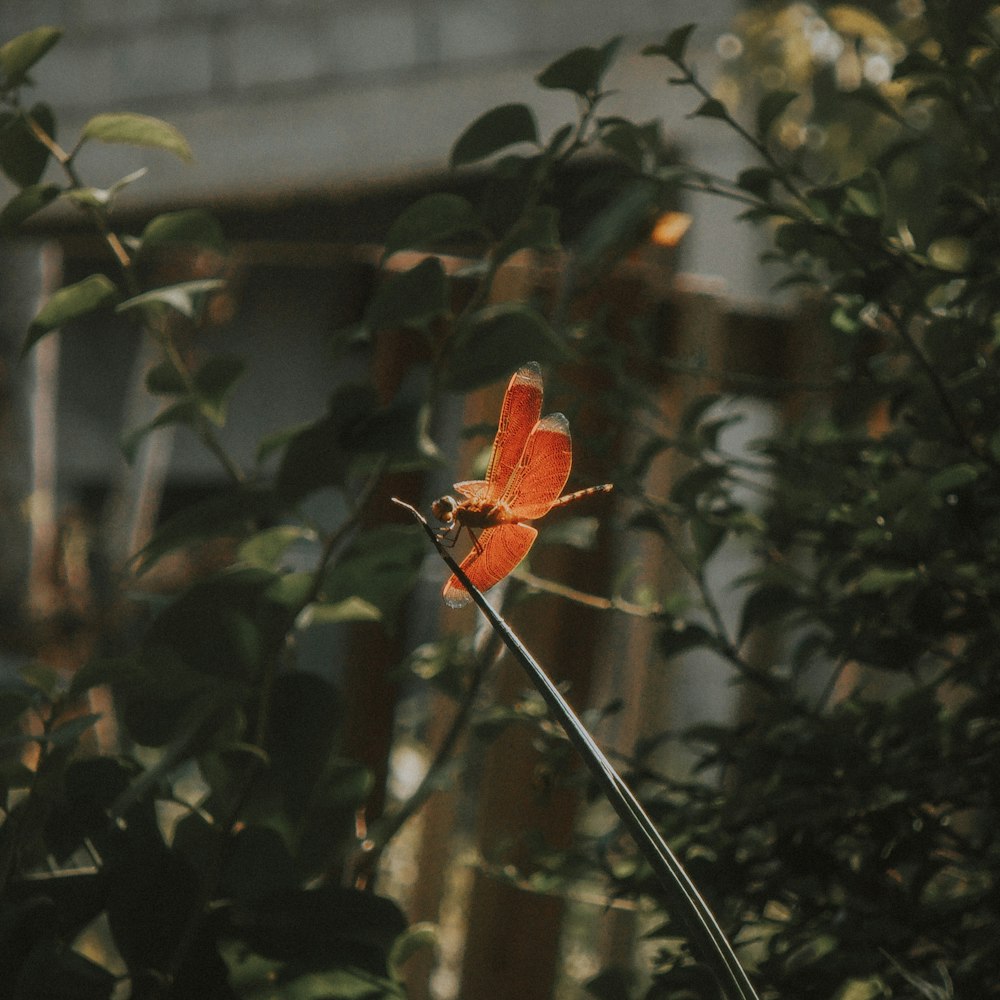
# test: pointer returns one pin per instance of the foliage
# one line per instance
(842, 827)
(845, 824)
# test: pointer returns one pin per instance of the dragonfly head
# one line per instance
(444, 509)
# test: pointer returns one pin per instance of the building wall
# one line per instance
(281, 98)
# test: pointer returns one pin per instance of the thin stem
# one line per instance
(707, 938)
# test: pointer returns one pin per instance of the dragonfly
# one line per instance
(528, 468)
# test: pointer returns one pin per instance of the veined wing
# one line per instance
(498, 551)
(472, 488)
(522, 406)
(542, 471)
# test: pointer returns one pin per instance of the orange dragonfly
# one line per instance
(529, 466)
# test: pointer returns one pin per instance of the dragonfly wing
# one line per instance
(543, 469)
(472, 488)
(522, 406)
(498, 551)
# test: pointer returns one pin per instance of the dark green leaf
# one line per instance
(22, 156)
(413, 298)
(622, 224)
(710, 108)
(184, 411)
(581, 70)
(689, 489)
(355, 432)
(132, 129)
(675, 46)
(497, 129)
(21, 53)
(223, 626)
(695, 412)
(498, 339)
(756, 180)
(164, 379)
(228, 513)
(325, 925)
(430, 220)
(872, 97)
(537, 230)
(380, 568)
(68, 733)
(214, 383)
(881, 579)
(952, 478)
(771, 107)
(767, 604)
(681, 636)
(189, 227)
(70, 303)
(26, 203)
(258, 865)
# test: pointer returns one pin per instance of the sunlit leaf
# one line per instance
(21, 53)
(185, 297)
(70, 303)
(128, 128)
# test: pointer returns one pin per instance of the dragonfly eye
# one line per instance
(444, 509)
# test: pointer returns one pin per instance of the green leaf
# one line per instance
(506, 125)
(772, 105)
(581, 70)
(380, 568)
(413, 298)
(189, 227)
(756, 180)
(68, 304)
(953, 478)
(538, 229)
(182, 412)
(214, 383)
(417, 938)
(130, 129)
(22, 156)
(21, 53)
(681, 636)
(498, 339)
(165, 380)
(881, 579)
(231, 513)
(675, 45)
(624, 222)
(187, 297)
(355, 433)
(26, 203)
(351, 609)
(265, 548)
(310, 926)
(430, 220)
